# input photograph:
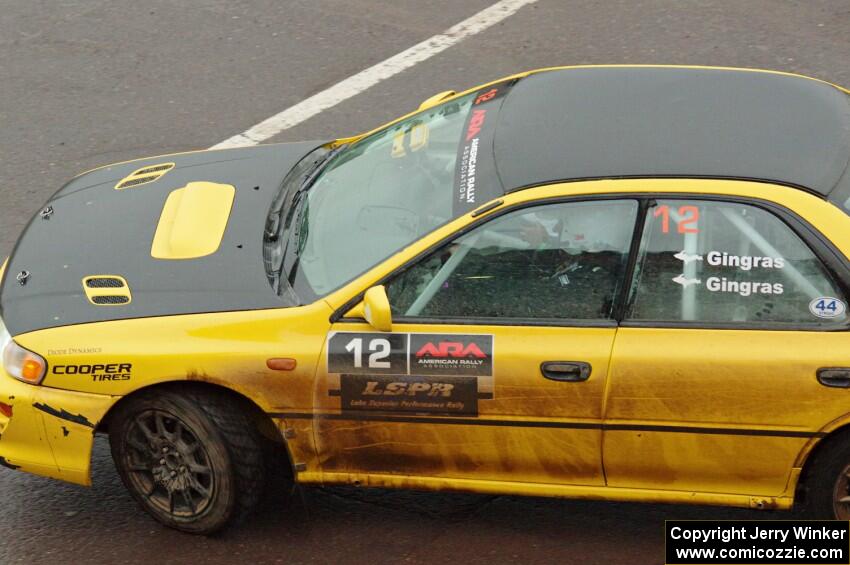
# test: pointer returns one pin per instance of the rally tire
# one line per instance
(191, 457)
(827, 483)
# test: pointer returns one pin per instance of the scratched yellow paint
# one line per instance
(725, 389)
(50, 431)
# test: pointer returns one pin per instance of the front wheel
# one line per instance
(191, 458)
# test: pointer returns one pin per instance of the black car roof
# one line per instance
(613, 122)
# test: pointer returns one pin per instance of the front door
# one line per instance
(497, 362)
(714, 383)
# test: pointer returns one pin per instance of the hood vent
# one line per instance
(107, 290)
(144, 176)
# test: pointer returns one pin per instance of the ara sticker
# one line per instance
(474, 177)
(827, 307)
(411, 354)
(451, 354)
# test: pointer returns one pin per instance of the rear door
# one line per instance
(497, 362)
(714, 380)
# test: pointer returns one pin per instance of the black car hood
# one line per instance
(95, 229)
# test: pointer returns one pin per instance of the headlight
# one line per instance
(21, 363)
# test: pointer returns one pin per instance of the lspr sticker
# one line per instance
(827, 307)
(432, 395)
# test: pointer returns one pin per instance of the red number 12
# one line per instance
(689, 215)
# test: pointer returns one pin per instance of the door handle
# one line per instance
(566, 371)
(836, 377)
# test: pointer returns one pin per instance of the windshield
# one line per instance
(377, 196)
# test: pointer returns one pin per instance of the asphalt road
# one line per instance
(86, 82)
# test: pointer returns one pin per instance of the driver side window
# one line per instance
(550, 262)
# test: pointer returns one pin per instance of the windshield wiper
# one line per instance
(279, 232)
(295, 233)
(274, 219)
(309, 178)
(311, 175)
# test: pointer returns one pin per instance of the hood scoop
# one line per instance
(193, 221)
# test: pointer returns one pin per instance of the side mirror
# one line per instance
(375, 309)
(436, 99)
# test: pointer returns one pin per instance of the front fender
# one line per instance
(49, 432)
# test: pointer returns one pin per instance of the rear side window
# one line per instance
(721, 262)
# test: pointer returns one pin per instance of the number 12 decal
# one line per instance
(688, 216)
(365, 353)
(380, 348)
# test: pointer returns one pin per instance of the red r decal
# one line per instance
(486, 96)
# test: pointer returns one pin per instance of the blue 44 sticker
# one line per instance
(827, 307)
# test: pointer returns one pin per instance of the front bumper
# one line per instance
(50, 431)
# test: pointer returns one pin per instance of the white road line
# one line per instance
(356, 84)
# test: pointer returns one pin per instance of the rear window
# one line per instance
(725, 262)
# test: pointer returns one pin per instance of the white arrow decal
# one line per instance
(687, 257)
(685, 282)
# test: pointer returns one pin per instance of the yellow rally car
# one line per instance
(597, 282)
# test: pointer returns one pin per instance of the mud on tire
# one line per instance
(192, 458)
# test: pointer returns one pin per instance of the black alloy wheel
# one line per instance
(191, 457)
